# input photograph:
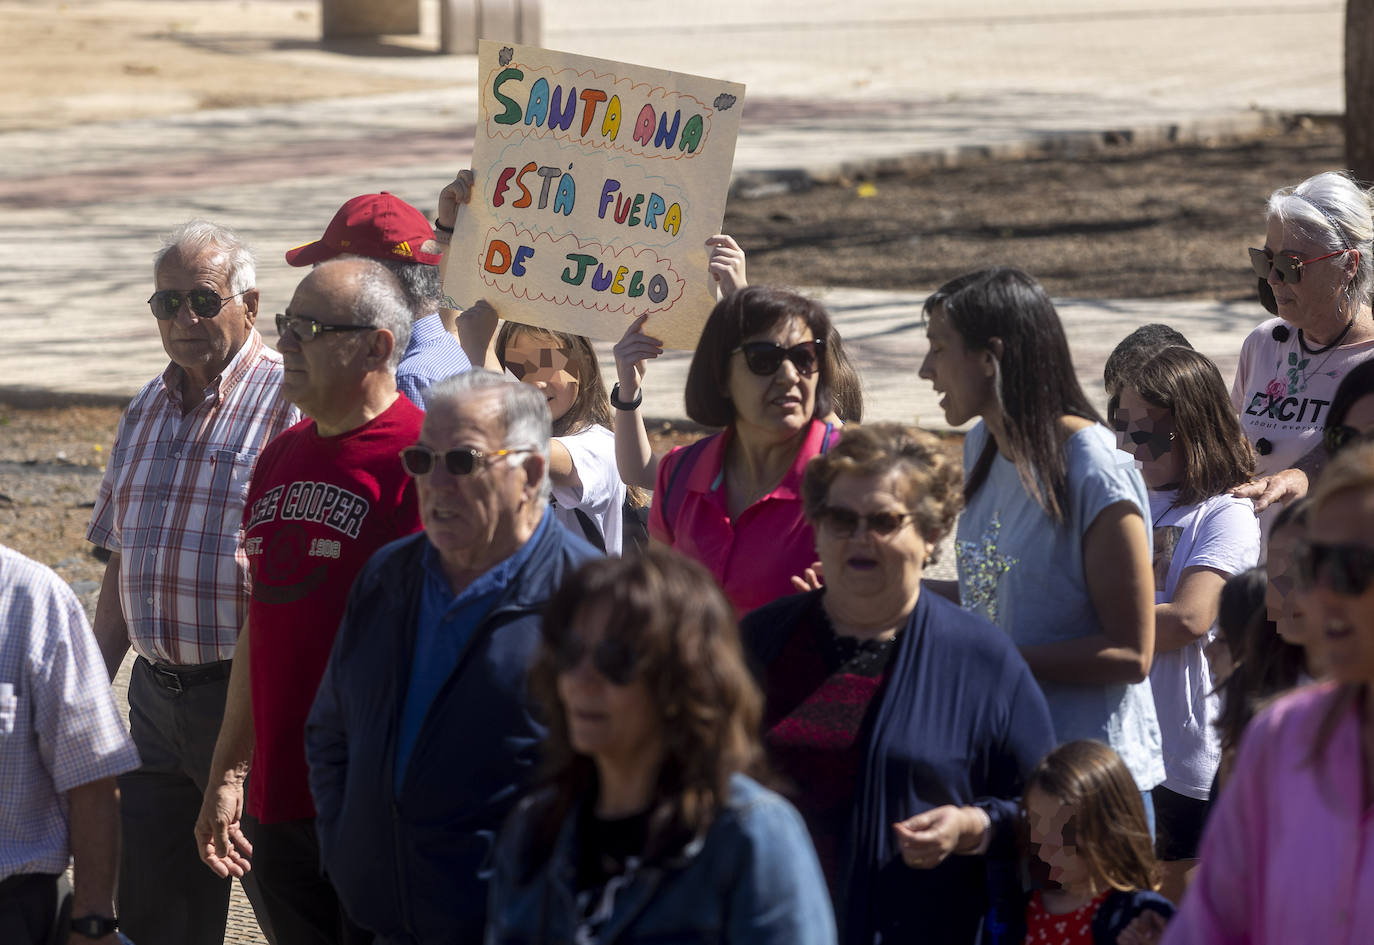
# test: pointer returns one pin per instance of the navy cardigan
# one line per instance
(959, 720)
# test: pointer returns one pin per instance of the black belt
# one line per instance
(181, 678)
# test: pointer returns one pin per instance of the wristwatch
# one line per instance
(94, 926)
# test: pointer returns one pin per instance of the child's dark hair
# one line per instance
(1132, 351)
(1113, 834)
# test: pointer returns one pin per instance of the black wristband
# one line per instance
(440, 228)
(619, 404)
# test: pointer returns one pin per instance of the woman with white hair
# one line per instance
(1316, 271)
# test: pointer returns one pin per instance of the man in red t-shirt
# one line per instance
(324, 496)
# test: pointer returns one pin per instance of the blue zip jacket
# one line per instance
(750, 879)
(412, 865)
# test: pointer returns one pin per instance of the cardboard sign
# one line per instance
(597, 184)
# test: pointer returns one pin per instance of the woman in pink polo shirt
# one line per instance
(733, 500)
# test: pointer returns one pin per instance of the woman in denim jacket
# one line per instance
(648, 828)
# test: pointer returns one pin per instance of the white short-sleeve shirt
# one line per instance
(602, 493)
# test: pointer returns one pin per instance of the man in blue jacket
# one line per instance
(423, 736)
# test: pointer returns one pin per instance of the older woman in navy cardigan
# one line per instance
(904, 725)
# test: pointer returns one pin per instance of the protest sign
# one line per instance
(596, 186)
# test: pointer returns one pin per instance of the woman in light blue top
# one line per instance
(1054, 543)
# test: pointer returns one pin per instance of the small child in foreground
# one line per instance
(1090, 854)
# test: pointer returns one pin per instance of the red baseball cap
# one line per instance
(379, 226)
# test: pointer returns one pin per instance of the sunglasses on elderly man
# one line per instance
(204, 303)
(420, 460)
(764, 357)
(1289, 268)
(1345, 569)
(843, 523)
(308, 329)
(616, 661)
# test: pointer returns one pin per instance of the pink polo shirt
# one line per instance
(755, 557)
(1288, 854)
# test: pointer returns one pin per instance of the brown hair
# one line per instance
(1113, 834)
(739, 315)
(668, 610)
(1216, 455)
(846, 387)
(593, 404)
(1351, 468)
(930, 480)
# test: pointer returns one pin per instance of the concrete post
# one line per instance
(340, 18)
(458, 27)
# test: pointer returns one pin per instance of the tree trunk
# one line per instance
(1359, 89)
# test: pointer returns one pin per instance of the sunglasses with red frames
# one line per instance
(1288, 267)
(205, 303)
(765, 357)
(616, 661)
(420, 460)
(1346, 569)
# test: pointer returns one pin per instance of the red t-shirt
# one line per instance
(318, 507)
(1067, 928)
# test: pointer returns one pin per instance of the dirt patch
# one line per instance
(1130, 222)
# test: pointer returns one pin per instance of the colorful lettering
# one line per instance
(537, 108)
(691, 135)
(590, 99)
(511, 116)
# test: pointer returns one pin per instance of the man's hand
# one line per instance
(927, 839)
(1282, 487)
(726, 263)
(219, 835)
(453, 196)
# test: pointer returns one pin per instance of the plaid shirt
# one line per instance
(171, 504)
(59, 726)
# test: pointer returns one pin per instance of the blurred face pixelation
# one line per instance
(1283, 599)
(1053, 834)
(535, 360)
(1147, 432)
(1342, 621)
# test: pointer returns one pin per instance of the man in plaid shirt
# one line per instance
(170, 509)
(61, 746)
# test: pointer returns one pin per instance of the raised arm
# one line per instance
(634, 456)
(726, 263)
(1116, 566)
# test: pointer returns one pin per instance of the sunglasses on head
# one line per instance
(420, 460)
(1345, 569)
(765, 357)
(204, 303)
(308, 329)
(843, 523)
(616, 661)
(1289, 268)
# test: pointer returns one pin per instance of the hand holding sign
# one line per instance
(595, 188)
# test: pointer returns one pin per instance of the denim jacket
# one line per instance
(751, 878)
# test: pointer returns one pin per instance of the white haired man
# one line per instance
(423, 736)
(170, 509)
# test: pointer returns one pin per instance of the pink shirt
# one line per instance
(755, 557)
(1288, 855)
